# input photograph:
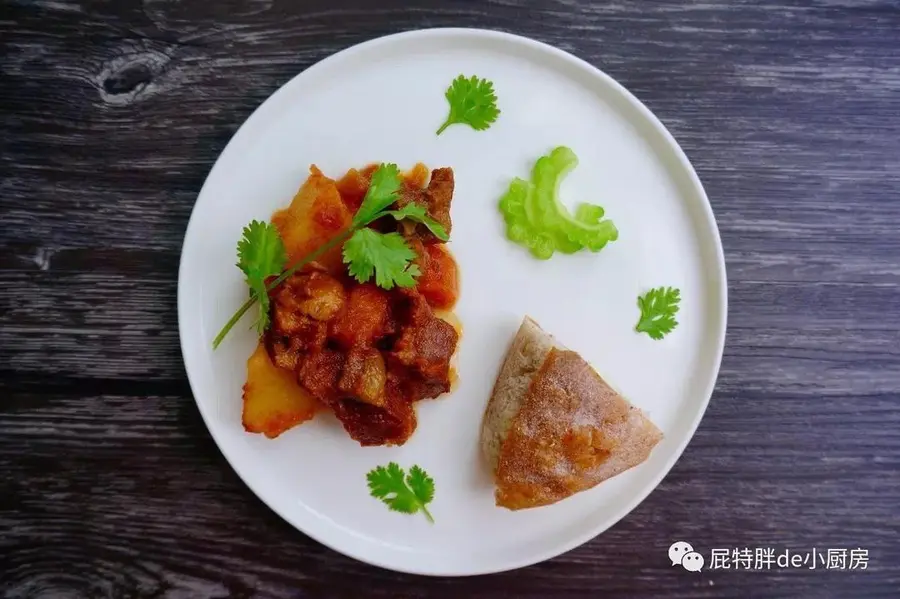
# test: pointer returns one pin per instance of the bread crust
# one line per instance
(563, 432)
(524, 357)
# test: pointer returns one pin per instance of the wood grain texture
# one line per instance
(111, 115)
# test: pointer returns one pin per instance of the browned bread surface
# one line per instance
(554, 427)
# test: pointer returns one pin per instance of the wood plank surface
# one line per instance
(111, 115)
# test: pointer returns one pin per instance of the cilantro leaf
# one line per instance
(260, 251)
(386, 255)
(261, 255)
(658, 308)
(382, 192)
(403, 493)
(421, 484)
(472, 102)
(415, 212)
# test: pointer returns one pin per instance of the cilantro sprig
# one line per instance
(401, 492)
(387, 256)
(367, 253)
(472, 102)
(383, 188)
(261, 255)
(658, 309)
(416, 213)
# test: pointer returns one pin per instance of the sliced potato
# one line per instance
(316, 214)
(353, 187)
(273, 400)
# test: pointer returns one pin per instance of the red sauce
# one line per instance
(439, 281)
(367, 353)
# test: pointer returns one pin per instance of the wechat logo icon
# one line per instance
(683, 554)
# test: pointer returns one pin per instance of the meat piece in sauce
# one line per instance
(435, 199)
(364, 376)
(365, 320)
(424, 346)
(314, 294)
(319, 374)
(289, 351)
(426, 350)
(390, 424)
(301, 307)
(438, 196)
(321, 296)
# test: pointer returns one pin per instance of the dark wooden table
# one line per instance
(111, 115)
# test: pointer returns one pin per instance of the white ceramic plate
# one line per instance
(383, 101)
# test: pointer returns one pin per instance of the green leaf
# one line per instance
(658, 309)
(261, 255)
(421, 484)
(382, 192)
(402, 493)
(472, 102)
(415, 212)
(386, 255)
(260, 251)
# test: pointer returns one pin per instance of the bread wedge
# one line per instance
(553, 427)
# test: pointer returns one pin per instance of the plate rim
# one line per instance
(684, 163)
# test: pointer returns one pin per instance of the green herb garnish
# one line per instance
(658, 308)
(382, 192)
(416, 213)
(401, 492)
(386, 255)
(261, 255)
(367, 252)
(473, 102)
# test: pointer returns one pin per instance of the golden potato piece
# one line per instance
(316, 214)
(273, 400)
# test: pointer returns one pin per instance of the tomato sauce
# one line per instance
(367, 353)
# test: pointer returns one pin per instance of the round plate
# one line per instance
(382, 101)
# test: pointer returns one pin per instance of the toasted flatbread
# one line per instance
(554, 427)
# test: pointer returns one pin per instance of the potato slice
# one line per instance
(273, 400)
(316, 214)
